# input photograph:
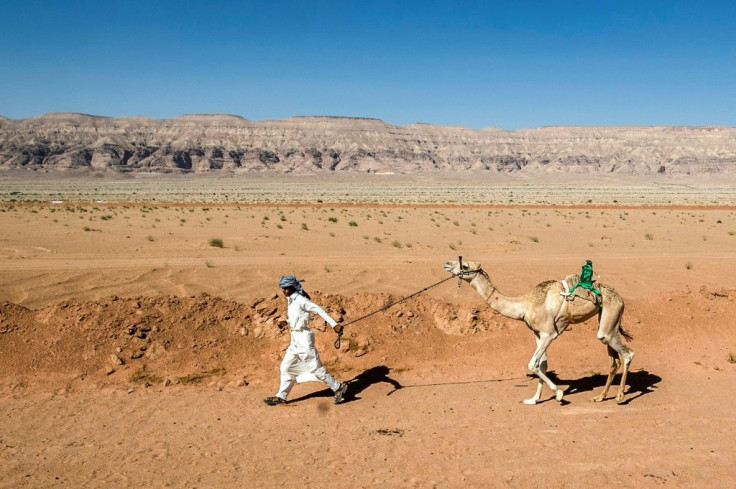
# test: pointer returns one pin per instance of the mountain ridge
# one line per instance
(317, 144)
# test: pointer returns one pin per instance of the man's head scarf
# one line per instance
(291, 281)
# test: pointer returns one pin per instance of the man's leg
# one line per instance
(287, 377)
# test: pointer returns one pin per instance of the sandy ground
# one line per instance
(436, 382)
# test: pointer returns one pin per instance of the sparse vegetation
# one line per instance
(217, 243)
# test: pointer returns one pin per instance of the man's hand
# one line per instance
(338, 329)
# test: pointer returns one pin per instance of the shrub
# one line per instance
(217, 243)
(353, 224)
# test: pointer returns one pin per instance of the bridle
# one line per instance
(463, 273)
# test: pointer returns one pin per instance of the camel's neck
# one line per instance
(511, 307)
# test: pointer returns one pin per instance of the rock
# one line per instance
(224, 143)
(116, 360)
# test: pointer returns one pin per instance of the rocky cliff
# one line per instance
(201, 143)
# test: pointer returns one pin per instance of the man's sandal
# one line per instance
(340, 394)
(274, 401)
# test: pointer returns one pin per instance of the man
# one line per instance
(301, 362)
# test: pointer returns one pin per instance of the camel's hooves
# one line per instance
(620, 399)
(529, 402)
(597, 399)
(559, 394)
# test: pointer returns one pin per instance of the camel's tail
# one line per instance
(624, 333)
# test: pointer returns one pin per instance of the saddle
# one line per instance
(570, 288)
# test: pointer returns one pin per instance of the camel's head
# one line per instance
(466, 270)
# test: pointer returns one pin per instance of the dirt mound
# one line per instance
(162, 340)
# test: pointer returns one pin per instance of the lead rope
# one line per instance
(390, 304)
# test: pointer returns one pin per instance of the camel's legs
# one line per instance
(627, 354)
(540, 383)
(608, 334)
(615, 363)
(535, 366)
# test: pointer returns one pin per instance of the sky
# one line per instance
(510, 64)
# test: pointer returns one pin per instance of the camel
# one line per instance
(548, 312)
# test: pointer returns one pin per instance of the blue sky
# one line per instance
(475, 64)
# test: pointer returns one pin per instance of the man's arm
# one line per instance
(310, 306)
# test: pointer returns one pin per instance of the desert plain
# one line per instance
(141, 327)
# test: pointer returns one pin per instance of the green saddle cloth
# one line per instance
(586, 281)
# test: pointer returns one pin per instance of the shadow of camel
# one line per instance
(359, 383)
(640, 382)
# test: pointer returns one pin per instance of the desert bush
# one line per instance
(353, 224)
(217, 243)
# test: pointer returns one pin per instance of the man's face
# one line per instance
(288, 291)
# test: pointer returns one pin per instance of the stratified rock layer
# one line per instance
(200, 143)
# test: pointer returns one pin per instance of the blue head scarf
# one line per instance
(291, 281)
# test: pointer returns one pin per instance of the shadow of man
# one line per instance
(372, 376)
(359, 383)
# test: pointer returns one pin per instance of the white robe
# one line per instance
(301, 361)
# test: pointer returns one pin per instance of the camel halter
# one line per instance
(461, 273)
